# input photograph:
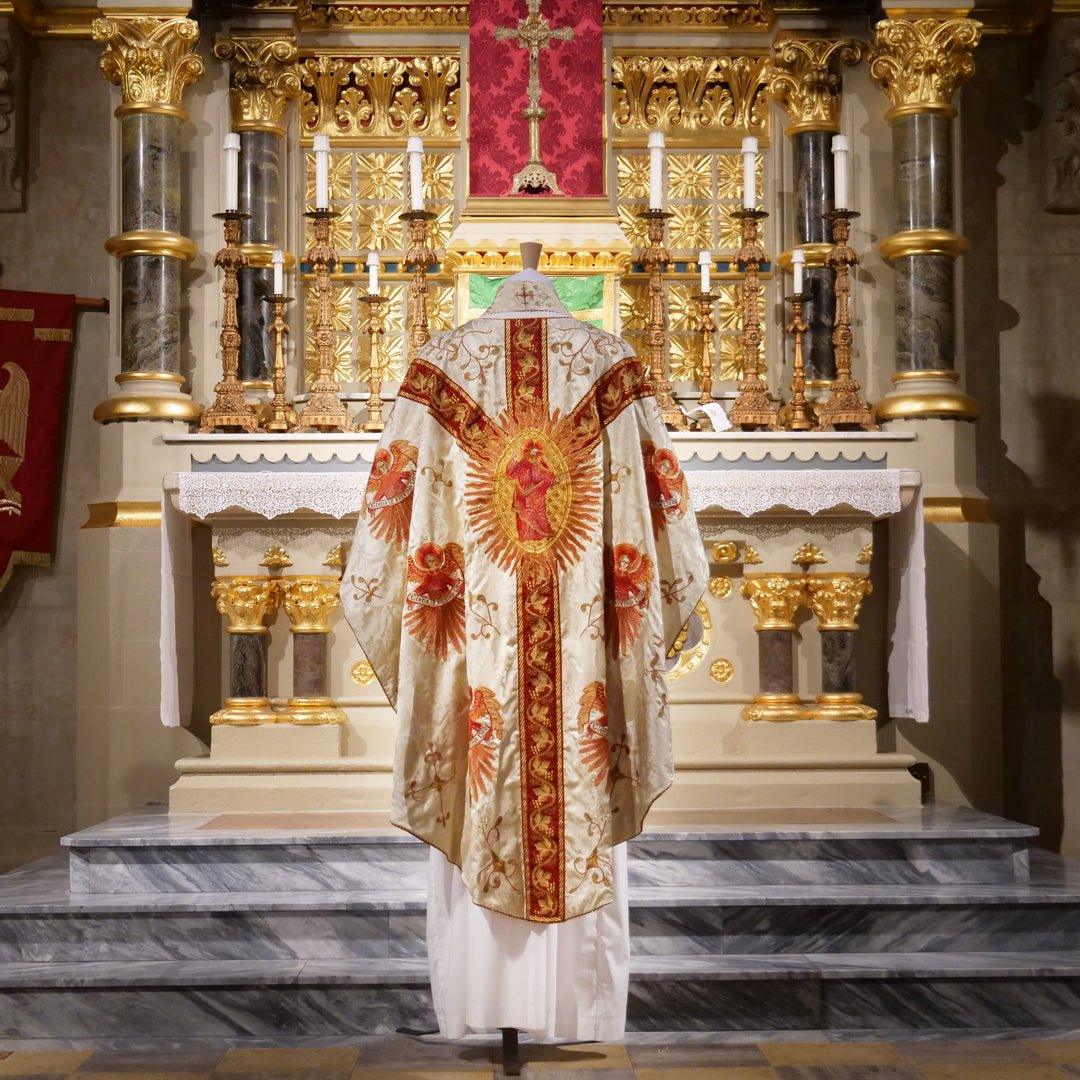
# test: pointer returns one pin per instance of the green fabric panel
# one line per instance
(577, 293)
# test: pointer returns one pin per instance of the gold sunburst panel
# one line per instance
(367, 97)
(344, 370)
(695, 98)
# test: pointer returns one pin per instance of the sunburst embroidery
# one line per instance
(533, 493)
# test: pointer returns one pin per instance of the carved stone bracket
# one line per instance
(14, 88)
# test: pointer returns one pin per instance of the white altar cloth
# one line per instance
(566, 981)
(337, 494)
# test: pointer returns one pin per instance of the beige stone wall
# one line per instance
(1022, 329)
(55, 246)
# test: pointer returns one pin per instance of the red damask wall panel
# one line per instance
(572, 79)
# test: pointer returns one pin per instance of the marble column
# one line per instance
(804, 76)
(309, 602)
(152, 60)
(247, 603)
(835, 600)
(920, 63)
(775, 599)
(263, 79)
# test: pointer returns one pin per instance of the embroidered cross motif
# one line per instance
(525, 295)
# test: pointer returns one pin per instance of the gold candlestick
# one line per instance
(798, 413)
(707, 326)
(753, 407)
(230, 410)
(376, 320)
(324, 411)
(655, 258)
(280, 415)
(419, 255)
(844, 407)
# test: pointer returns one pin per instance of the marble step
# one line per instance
(679, 993)
(187, 854)
(41, 920)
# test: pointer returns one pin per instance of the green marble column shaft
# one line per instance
(261, 197)
(813, 199)
(925, 285)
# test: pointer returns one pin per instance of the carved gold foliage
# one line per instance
(835, 599)
(340, 175)
(689, 226)
(362, 672)
(720, 586)
(729, 176)
(729, 368)
(729, 15)
(380, 176)
(750, 555)
(276, 558)
(403, 15)
(690, 95)
(218, 557)
(631, 224)
(808, 554)
(381, 97)
(309, 602)
(441, 307)
(775, 599)
(246, 602)
(341, 307)
(689, 176)
(341, 230)
(721, 671)
(921, 62)
(263, 79)
(689, 658)
(338, 556)
(728, 229)
(632, 176)
(379, 227)
(866, 553)
(725, 551)
(438, 176)
(682, 308)
(685, 357)
(151, 59)
(804, 76)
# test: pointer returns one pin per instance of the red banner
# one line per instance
(572, 91)
(35, 370)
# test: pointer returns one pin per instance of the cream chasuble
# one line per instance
(524, 558)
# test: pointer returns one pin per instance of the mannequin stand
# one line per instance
(511, 1052)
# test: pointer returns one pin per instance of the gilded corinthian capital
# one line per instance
(835, 599)
(920, 63)
(150, 58)
(309, 602)
(263, 79)
(246, 602)
(775, 599)
(804, 76)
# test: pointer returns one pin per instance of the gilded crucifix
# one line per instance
(534, 33)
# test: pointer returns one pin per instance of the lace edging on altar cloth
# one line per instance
(811, 491)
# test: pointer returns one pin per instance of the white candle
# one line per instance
(373, 273)
(322, 172)
(414, 149)
(705, 263)
(840, 152)
(279, 272)
(749, 170)
(656, 170)
(798, 261)
(231, 150)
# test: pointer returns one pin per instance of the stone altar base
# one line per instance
(246, 926)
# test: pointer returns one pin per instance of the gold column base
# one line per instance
(839, 707)
(775, 708)
(148, 407)
(925, 395)
(246, 712)
(311, 712)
